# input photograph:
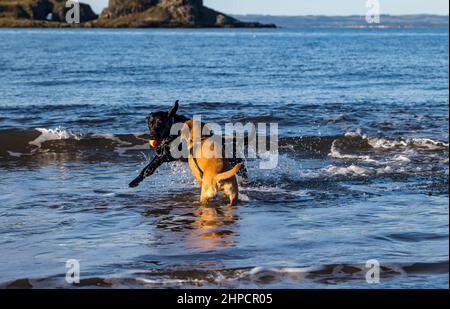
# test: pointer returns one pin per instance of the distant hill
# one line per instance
(166, 13)
(39, 13)
(118, 14)
(318, 21)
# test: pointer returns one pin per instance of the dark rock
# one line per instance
(13, 10)
(20, 12)
(40, 9)
(118, 8)
(165, 13)
(60, 10)
(120, 13)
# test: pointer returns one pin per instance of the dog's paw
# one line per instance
(135, 183)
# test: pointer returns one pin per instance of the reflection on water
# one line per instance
(213, 227)
(180, 218)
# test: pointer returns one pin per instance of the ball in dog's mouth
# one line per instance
(154, 143)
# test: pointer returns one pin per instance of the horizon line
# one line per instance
(337, 15)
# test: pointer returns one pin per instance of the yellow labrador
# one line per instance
(208, 165)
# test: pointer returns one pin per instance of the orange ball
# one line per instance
(154, 143)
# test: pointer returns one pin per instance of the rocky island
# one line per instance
(119, 14)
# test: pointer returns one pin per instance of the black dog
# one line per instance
(159, 124)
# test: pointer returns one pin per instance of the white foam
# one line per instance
(355, 134)
(385, 170)
(121, 150)
(123, 145)
(388, 143)
(334, 152)
(402, 158)
(384, 143)
(138, 136)
(352, 169)
(169, 281)
(15, 154)
(265, 189)
(52, 134)
(111, 137)
(279, 273)
(429, 143)
(243, 197)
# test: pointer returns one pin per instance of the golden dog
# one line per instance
(207, 165)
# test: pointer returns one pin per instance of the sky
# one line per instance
(316, 7)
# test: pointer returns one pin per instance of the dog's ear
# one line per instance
(173, 110)
(189, 124)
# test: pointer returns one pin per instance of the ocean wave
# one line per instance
(351, 147)
(352, 169)
(355, 146)
(423, 143)
(51, 135)
(23, 142)
(324, 275)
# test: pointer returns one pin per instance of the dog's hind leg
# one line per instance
(195, 171)
(230, 190)
(233, 200)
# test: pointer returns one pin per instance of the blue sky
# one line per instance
(316, 7)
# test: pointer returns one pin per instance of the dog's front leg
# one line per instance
(149, 169)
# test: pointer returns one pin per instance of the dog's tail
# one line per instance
(228, 174)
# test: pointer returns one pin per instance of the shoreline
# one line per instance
(88, 25)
